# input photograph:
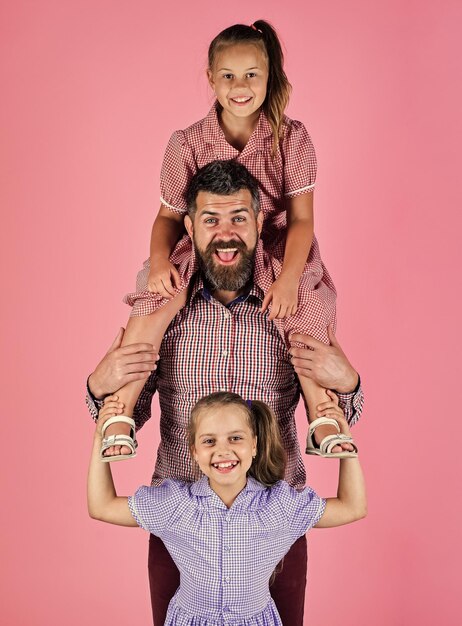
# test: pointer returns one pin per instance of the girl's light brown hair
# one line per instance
(263, 35)
(269, 464)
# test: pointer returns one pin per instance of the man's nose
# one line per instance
(227, 231)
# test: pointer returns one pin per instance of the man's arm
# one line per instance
(119, 366)
(330, 368)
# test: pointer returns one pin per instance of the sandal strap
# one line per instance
(328, 443)
(119, 440)
(118, 419)
(322, 421)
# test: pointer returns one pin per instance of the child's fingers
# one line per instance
(332, 395)
(176, 278)
(267, 299)
(112, 398)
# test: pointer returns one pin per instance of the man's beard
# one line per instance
(223, 277)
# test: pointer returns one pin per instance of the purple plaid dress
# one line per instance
(225, 556)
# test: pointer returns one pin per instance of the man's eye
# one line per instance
(210, 220)
(239, 219)
(208, 441)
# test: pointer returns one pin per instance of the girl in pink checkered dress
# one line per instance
(246, 123)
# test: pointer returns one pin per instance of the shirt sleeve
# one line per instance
(178, 167)
(303, 508)
(299, 160)
(142, 409)
(352, 404)
(153, 507)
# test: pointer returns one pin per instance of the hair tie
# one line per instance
(253, 27)
(249, 404)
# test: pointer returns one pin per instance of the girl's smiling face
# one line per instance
(239, 78)
(224, 447)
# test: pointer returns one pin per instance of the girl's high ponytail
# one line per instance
(279, 88)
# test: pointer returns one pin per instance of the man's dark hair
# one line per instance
(222, 178)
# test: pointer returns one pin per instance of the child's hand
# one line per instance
(110, 408)
(330, 408)
(164, 279)
(283, 294)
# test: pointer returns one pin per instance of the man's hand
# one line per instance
(122, 365)
(326, 365)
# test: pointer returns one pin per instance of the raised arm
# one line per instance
(103, 502)
(350, 504)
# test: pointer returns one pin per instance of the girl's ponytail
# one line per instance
(262, 34)
(279, 88)
(270, 462)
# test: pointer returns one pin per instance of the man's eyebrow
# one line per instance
(233, 212)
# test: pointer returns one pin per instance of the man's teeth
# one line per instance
(225, 465)
(226, 249)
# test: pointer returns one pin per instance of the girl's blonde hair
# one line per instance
(263, 35)
(269, 465)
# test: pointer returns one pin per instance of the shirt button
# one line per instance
(227, 548)
(224, 353)
(227, 579)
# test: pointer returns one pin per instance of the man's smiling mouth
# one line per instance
(226, 254)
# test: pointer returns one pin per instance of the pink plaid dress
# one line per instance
(291, 172)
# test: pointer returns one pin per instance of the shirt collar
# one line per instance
(200, 288)
(257, 141)
(202, 488)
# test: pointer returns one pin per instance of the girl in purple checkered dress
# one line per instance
(229, 530)
(246, 123)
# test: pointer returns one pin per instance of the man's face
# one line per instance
(225, 233)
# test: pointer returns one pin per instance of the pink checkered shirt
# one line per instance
(289, 173)
(210, 347)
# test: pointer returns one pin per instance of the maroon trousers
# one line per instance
(287, 589)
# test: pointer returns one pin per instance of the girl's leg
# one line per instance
(142, 329)
(314, 395)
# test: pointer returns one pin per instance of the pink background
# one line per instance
(91, 91)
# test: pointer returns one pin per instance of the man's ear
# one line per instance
(188, 225)
(259, 221)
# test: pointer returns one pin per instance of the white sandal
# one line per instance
(330, 441)
(119, 440)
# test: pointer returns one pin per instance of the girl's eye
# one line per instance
(207, 442)
(251, 75)
(236, 438)
(227, 76)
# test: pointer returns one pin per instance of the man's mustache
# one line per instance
(213, 246)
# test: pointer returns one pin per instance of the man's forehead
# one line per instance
(241, 200)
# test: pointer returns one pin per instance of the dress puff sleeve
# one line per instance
(178, 167)
(299, 160)
(153, 507)
(303, 509)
